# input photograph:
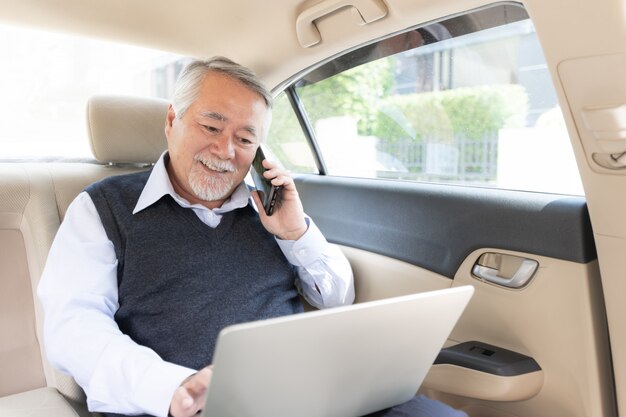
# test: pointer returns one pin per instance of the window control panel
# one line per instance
(487, 358)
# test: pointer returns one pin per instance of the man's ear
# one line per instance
(169, 120)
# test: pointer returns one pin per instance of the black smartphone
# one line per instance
(269, 193)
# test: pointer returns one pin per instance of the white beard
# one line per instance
(209, 187)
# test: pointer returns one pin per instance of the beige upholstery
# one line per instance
(43, 402)
(126, 129)
(29, 218)
(20, 354)
(33, 201)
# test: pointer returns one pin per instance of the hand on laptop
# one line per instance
(190, 397)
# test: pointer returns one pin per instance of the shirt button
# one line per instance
(301, 252)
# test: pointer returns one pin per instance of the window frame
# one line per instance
(289, 87)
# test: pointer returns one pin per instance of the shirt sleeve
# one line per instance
(325, 275)
(78, 290)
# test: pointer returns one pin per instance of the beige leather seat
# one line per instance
(126, 134)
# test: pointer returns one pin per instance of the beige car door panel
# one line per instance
(544, 331)
(558, 320)
(377, 276)
(531, 259)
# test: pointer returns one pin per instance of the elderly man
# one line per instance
(147, 268)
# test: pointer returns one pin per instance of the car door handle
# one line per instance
(506, 270)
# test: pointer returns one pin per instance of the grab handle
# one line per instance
(309, 35)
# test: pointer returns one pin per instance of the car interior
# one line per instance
(437, 143)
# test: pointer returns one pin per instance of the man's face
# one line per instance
(212, 146)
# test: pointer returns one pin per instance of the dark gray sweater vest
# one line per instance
(180, 281)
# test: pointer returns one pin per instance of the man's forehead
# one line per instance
(229, 103)
(214, 81)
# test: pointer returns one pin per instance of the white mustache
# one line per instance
(215, 164)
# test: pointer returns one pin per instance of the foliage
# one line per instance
(285, 127)
(443, 115)
(399, 121)
(286, 139)
(354, 92)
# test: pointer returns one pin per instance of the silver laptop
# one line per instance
(342, 362)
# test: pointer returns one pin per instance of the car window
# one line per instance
(287, 140)
(467, 100)
(47, 78)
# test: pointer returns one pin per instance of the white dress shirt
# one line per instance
(78, 290)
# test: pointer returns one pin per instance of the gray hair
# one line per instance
(188, 84)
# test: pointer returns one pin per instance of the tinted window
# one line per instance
(467, 100)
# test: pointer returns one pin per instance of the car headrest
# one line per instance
(126, 129)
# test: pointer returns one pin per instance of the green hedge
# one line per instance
(474, 113)
(443, 115)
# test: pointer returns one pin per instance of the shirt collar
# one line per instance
(159, 184)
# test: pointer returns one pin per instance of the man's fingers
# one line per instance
(198, 384)
(282, 180)
(183, 404)
(204, 377)
(258, 202)
(186, 400)
(189, 398)
(274, 172)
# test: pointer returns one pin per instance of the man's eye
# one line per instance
(246, 141)
(211, 129)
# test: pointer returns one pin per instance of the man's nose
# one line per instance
(223, 148)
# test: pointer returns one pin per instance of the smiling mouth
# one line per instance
(214, 167)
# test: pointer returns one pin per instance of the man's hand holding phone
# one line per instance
(287, 219)
(269, 193)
